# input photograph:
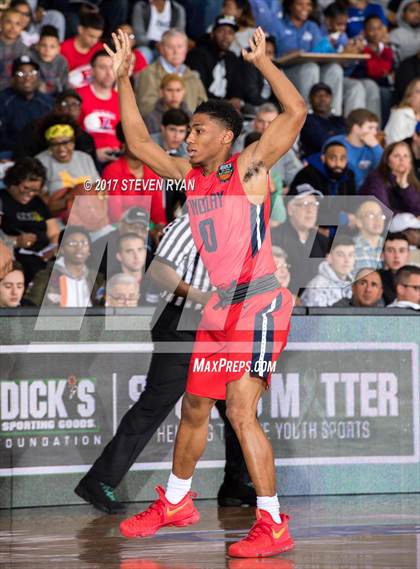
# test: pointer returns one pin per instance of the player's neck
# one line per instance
(213, 165)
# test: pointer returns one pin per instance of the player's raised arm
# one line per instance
(283, 131)
(136, 134)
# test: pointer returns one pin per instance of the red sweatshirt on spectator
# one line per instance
(125, 190)
(99, 117)
(380, 63)
(79, 63)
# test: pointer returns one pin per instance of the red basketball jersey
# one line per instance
(231, 234)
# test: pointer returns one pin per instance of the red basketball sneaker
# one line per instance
(265, 538)
(159, 514)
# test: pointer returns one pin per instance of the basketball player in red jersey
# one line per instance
(245, 322)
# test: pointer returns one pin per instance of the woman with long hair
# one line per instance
(404, 117)
(394, 182)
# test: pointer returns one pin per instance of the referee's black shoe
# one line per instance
(236, 492)
(100, 495)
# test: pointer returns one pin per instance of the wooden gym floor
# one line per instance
(344, 532)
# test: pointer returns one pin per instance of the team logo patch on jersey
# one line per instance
(225, 171)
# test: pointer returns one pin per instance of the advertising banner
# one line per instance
(342, 403)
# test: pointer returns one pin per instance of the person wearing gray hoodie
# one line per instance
(334, 279)
(405, 39)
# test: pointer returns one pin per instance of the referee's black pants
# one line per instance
(166, 382)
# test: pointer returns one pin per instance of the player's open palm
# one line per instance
(122, 56)
(256, 46)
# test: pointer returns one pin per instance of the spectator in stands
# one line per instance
(11, 45)
(405, 39)
(366, 291)
(407, 285)
(242, 12)
(152, 19)
(173, 132)
(100, 112)
(376, 72)
(131, 254)
(295, 31)
(403, 120)
(414, 144)
(358, 12)
(36, 14)
(122, 291)
(90, 209)
(132, 184)
(68, 282)
(140, 62)
(134, 220)
(370, 221)
(26, 217)
(329, 173)
(66, 167)
(299, 237)
(70, 102)
(173, 51)
(408, 70)
(321, 124)
(357, 94)
(52, 65)
(395, 255)
(219, 69)
(363, 149)
(409, 225)
(258, 90)
(12, 287)
(29, 34)
(79, 50)
(394, 182)
(282, 272)
(334, 278)
(22, 102)
(172, 91)
(289, 164)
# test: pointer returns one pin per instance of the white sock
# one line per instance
(271, 505)
(177, 488)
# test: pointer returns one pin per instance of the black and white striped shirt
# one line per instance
(178, 250)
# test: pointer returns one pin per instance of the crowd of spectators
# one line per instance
(81, 215)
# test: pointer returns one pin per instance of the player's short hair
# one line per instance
(359, 117)
(92, 20)
(405, 273)
(223, 112)
(177, 117)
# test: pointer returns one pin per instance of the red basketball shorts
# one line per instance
(240, 338)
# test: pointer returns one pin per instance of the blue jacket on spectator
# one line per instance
(357, 17)
(16, 112)
(361, 159)
(289, 38)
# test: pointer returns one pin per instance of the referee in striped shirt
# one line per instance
(176, 267)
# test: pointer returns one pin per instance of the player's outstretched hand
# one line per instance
(121, 58)
(257, 47)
